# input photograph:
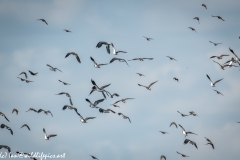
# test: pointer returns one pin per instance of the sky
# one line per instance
(29, 44)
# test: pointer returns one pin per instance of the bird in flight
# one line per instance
(74, 54)
(84, 120)
(186, 141)
(65, 83)
(140, 74)
(183, 115)
(148, 39)
(95, 64)
(185, 132)
(6, 147)
(48, 136)
(32, 109)
(24, 74)
(204, 5)
(176, 79)
(197, 19)
(15, 110)
(124, 117)
(94, 105)
(219, 17)
(123, 100)
(148, 87)
(140, 59)
(215, 44)
(213, 84)
(106, 110)
(32, 73)
(114, 94)
(66, 30)
(163, 157)
(164, 132)
(182, 154)
(171, 58)
(53, 69)
(218, 92)
(68, 95)
(93, 157)
(209, 142)
(43, 20)
(22, 79)
(193, 29)
(104, 43)
(5, 126)
(25, 125)
(119, 59)
(1, 114)
(237, 59)
(99, 89)
(173, 123)
(219, 57)
(46, 112)
(116, 52)
(192, 113)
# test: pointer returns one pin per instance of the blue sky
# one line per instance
(28, 44)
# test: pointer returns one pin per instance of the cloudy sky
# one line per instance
(28, 44)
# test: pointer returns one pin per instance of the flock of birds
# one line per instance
(103, 90)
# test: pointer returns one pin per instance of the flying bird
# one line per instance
(5, 126)
(48, 136)
(185, 132)
(84, 120)
(104, 43)
(32, 73)
(15, 110)
(193, 29)
(27, 81)
(24, 74)
(140, 74)
(118, 59)
(218, 92)
(74, 54)
(204, 5)
(70, 108)
(176, 79)
(213, 84)
(148, 87)
(173, 123)
(114, 94)
(219, 17)
(197, 19)
(93, 157)
(68, 95)
(99, 89)
(93, 105)
(186, 141)
(123, 100)
(183, 115)
(66, 30)
(32, 109)
(148, 39)
(43, 20)
(95, 64)
(219, 57)
(25, 125)
(192, 113)
(209, 142)
(163, 157)
(140, 59)
(1, 114)
(106, 110)
(164, 132)
(65, 83)
(182, 154)
(124, 117)
(171, 58)
(46, 112)
(215, 44)
(116, 52)
(53, 69)
(237, 59)
(114, 105)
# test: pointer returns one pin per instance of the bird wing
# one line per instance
(191, 133)
(98, 101)
(59, 69)
(93, 60)
(49, 66)
(15, 110)
(152, 84)
(70, 100)
(186, 141)
(217, 63)
(52, 135)
(87, 118)
(209, 78)
(218, 81)
(108, 49)
(213, 56)
(174, 124)
(44, 131)
(121, 52)
(148, 58)
(50, 112)
(69, 53)
(105, 86)
(181, 127)
(77, 57)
